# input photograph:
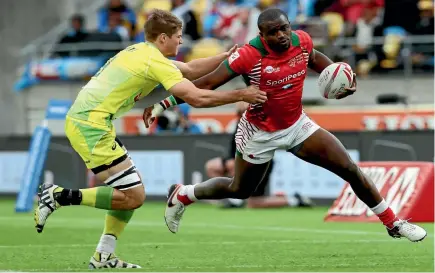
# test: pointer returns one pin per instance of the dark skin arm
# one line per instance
(319, 61)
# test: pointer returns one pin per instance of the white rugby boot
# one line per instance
(403, 228)
(174, 208)
(108, 260)
(46, 205)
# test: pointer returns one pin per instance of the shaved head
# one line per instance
(275, 29)
(270, 15)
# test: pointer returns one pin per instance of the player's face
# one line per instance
(277, 34)
(173, 43)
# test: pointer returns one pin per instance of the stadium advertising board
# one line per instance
(64, 69)
(68, 169)
(389, 119)
(407, 187)
(12, 165)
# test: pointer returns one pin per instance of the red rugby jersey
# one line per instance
(280, 75)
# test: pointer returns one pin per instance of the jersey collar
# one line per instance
(151, 44)
(260, 44)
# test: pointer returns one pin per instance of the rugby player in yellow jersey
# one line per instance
(131, 75)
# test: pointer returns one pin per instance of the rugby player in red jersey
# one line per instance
(277, 62)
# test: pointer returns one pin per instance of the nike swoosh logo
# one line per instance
(170, 204)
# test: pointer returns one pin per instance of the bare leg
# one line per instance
(325, 150)
(246, 179)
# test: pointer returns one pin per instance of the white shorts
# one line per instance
(258, 146)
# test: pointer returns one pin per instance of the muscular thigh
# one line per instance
(122, 176)
(248, 175)
(325, 150)
(104, 154)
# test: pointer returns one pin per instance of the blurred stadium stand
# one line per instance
(55, 56)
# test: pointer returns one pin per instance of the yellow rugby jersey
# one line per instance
(130, 75)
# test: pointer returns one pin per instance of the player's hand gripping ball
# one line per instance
(337, 81)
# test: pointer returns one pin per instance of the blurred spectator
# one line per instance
(239, 29)
(184, 124)
(220, 17)
(352, 10)
(365, 32)
(423, 55)
(190, 23)
(115, 26)
(76, 34)
(321, 6)
(295, 9)
(128, 16)
(306, 9)
(425, 25)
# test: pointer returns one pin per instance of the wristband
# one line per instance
(168, 102)
(157, 110)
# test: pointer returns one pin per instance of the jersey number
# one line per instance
(131, 48)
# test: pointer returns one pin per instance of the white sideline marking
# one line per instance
(202, 243)
(81, 223)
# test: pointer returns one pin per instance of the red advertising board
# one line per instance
(408, 187)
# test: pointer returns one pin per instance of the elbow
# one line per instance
(189, 75)
(204, 84)
(199, 103)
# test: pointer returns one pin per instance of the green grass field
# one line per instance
(211, 239)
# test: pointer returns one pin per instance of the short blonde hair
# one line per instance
(160, 21)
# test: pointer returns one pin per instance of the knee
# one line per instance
(350, 170)
(352, 167)
(136, 201)
(239, 192)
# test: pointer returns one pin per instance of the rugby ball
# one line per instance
(334, 79)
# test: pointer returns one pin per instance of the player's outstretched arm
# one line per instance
(200, 67)
(213, 80)
(204, 98)
(218, 77)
